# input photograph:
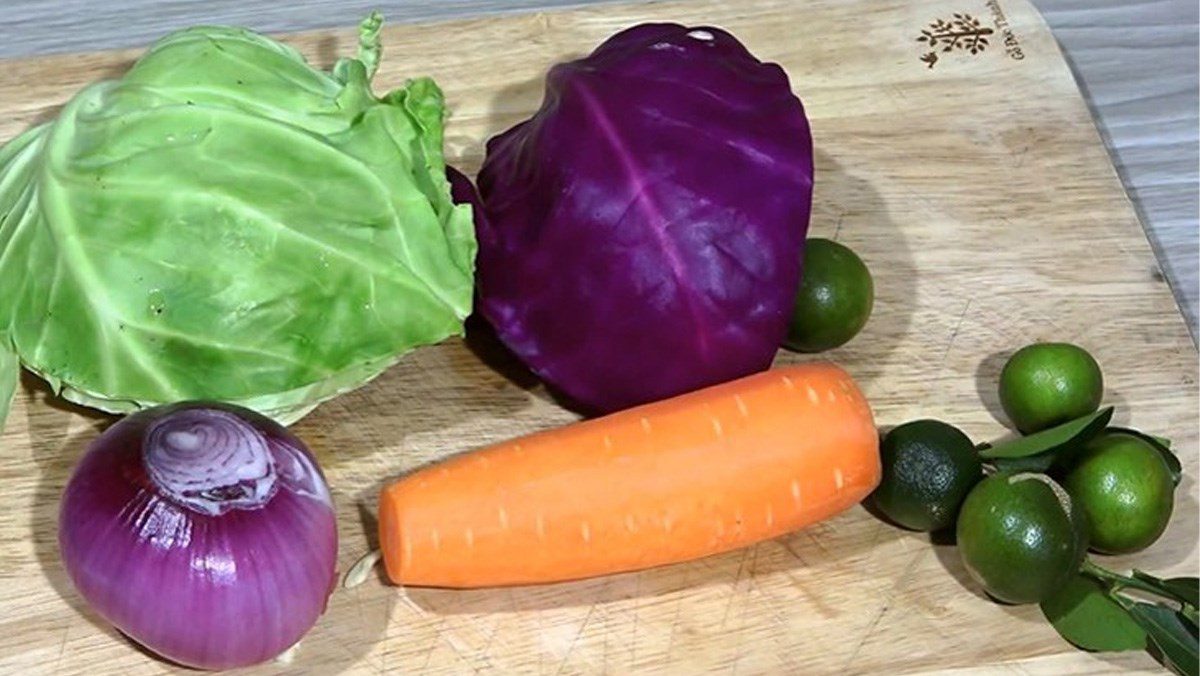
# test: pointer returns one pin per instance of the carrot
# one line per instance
(702, 473)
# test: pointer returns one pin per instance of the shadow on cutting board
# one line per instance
(987, 384)
(848, 209)
(845, 542)
(433, 390)
(56, 449)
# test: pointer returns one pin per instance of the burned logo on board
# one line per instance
(964, 33)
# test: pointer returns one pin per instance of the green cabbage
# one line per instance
(226, 222)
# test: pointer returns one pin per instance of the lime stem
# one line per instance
(1116, 582)
(1189, 611)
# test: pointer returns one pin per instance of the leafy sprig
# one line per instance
(1095, 611)
(1099, 609)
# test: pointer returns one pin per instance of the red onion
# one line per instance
(205, 532)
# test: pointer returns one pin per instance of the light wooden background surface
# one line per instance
(1136, 60)
(983, 200)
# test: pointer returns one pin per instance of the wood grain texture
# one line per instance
(983, 200)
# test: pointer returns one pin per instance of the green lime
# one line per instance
(1047, 384)
(835, 298)
(928, 469)
(1124, 487)
(1020, 537)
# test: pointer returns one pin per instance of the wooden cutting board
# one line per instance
(976, 188)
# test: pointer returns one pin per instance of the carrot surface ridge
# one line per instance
(702, 473)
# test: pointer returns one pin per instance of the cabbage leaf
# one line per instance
(226, 222)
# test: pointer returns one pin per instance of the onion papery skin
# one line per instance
(231, 586)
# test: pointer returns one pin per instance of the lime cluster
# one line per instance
(1025, 515)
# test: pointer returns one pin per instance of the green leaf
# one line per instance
(1083, 613)
(1033, 463)
(1068, 434)
(273, 234)
(1168, 456)
(1185, 589)
(10, 370)
(1171, 634)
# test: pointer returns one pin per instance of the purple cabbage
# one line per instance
(642, 233)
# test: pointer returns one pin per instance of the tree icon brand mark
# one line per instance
(962, 32)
